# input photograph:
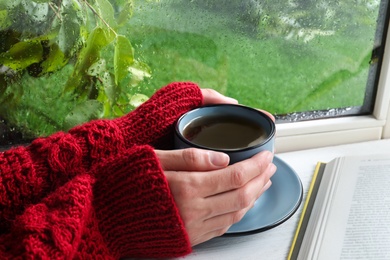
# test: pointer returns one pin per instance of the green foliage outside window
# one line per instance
(284, 56)
(70, 58)
(63, 62)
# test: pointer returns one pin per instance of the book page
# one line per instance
(319, 213)
(357, 225)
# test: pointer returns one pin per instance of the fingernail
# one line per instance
(219, 159)
(273, 168)
(269, 156)
(232, 100)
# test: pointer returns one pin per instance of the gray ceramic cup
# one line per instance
(222, 110)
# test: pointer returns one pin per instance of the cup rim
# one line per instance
(191, 144)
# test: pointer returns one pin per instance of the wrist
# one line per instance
(153, 121)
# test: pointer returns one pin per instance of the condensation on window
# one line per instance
(285, 56)
(64, 62)
(316, 114)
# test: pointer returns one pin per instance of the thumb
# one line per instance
(192, 159)
(211, 96)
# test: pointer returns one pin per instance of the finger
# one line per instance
(207, 236)
(268, 114)
(241, 198)
(266, 186)
(236, 175)
(218, 226)
(192, 159)
(210, 96)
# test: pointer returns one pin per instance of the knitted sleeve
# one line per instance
(135, 209)
(124, 208)
(28, 174)
(53, 227)
(152, 123)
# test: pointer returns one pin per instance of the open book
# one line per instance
(347, 211)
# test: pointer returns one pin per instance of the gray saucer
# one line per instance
(276, 205)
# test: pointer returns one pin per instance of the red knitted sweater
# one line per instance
(97, 191)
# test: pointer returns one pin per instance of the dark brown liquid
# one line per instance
(224, 132)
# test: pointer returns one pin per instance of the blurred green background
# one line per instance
(283, 56)
(283, 69)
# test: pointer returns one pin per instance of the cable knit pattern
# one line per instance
(52, 228)
(97, 191)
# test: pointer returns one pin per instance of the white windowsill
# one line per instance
(328, 125)
(326, 132)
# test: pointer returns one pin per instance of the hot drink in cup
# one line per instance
(236, 130)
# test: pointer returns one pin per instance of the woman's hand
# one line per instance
(210, 194)
(211, 96)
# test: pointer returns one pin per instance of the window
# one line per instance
(284, 56)
(320, 66)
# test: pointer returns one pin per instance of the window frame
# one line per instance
(343, 130)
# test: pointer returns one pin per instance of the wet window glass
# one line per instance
(64, 62)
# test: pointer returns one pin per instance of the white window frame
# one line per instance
(343, 130)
